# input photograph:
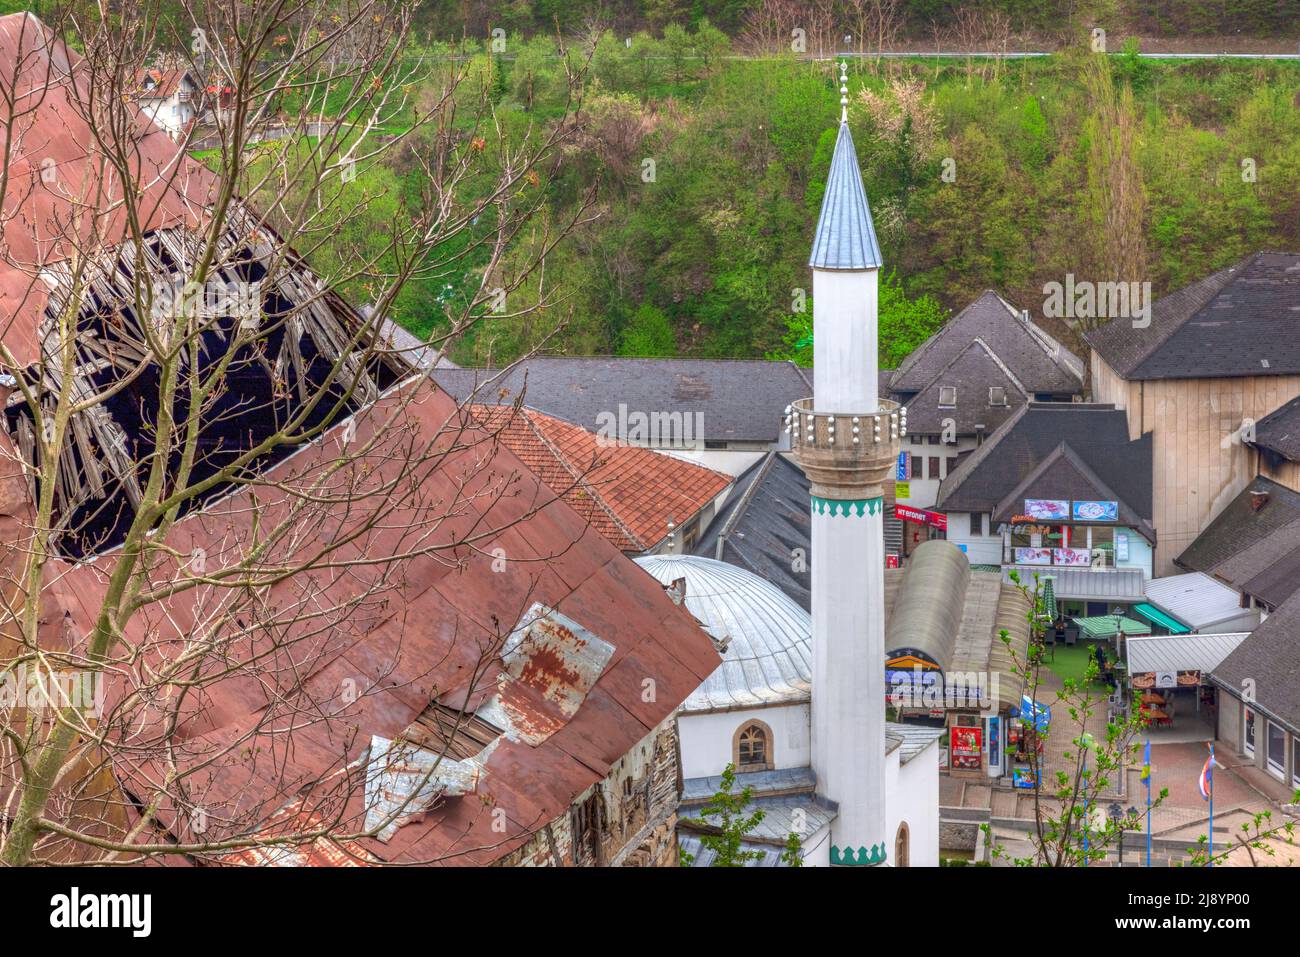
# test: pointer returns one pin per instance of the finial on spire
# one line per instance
(844, 91)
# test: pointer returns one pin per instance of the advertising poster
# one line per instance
(1096, 511)
(1047, 509)
(1033, 556)
(965, 747)
(1071, 556)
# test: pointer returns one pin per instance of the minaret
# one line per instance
(845, 438)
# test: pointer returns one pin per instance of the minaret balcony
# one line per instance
(846, 454)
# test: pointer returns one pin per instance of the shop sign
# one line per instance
(921, 516)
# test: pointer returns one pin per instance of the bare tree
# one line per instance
(214, 472)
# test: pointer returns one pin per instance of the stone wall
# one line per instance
(626, 819)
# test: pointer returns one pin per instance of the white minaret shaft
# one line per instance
(845, 439)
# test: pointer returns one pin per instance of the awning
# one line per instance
(1158, 617)
(1104, 626)
(1029, 709)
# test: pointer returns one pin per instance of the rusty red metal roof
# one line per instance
(495, 545)
(55, 175)
(632, 495)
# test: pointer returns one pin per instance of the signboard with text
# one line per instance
(921, 516)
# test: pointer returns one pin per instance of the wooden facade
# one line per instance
(1199, 461)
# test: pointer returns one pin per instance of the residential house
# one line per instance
(721, 413)
(641, 500)
(963, 382)
(171, 97)
(1211, 362)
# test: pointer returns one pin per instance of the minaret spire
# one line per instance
(844, 91)
(845, 438)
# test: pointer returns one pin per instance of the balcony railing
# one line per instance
(809, 428)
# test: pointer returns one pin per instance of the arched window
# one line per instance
(752, 748)
(901, 841)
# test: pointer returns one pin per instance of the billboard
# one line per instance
(921, 516)
(1047, 509)
(1033, 556)
(1096, 511)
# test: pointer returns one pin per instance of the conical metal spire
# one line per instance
(845, 236)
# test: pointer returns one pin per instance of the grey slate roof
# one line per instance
(1279, 431)
(1064, 475)
(1253, 544)
(1097, 434)
(972, 372)
(782, 781)
(1269, 657)
(912, 738)
(764, 519)
(701, 856)
(845, 236)
(1039, 362)
(1241, 321)
(738, 399)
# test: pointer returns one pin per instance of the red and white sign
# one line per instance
(964, 746)
(891, 561)
(921, 516)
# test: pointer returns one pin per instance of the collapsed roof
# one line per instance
(82, 253)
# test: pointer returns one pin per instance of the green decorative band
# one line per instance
(863, 858)
(848, 506)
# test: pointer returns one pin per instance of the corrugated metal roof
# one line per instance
(769, 656)
(1194, 598)
(423, 641)
(928, 611)
(1181, 652)
(52, 171)
(1120, 584)
(845, 236)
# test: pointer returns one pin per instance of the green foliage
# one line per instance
(903, 323)
(733, 821)
(648, 335)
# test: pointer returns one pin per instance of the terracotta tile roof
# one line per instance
(626, 492)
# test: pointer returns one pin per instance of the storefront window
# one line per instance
(1276, 749)
(1248, 740)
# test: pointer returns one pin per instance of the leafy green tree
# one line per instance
(649, 335)
(904, 324)
(734, 822)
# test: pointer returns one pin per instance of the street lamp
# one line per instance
(1116, 813)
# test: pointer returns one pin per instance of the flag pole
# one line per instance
(1209, 780)
(1148, 777)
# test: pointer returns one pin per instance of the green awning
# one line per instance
(1154, 615)
(1103, 626)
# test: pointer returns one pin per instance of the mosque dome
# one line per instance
(768, 657)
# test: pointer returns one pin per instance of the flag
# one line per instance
(1146, 765)
(1206, 782)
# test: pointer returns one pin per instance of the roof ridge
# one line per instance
(988, 350)
(968, 464)
(580, 481)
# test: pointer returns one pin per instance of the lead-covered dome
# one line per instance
(768, 658)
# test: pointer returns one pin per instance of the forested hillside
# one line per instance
(1003, 175)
